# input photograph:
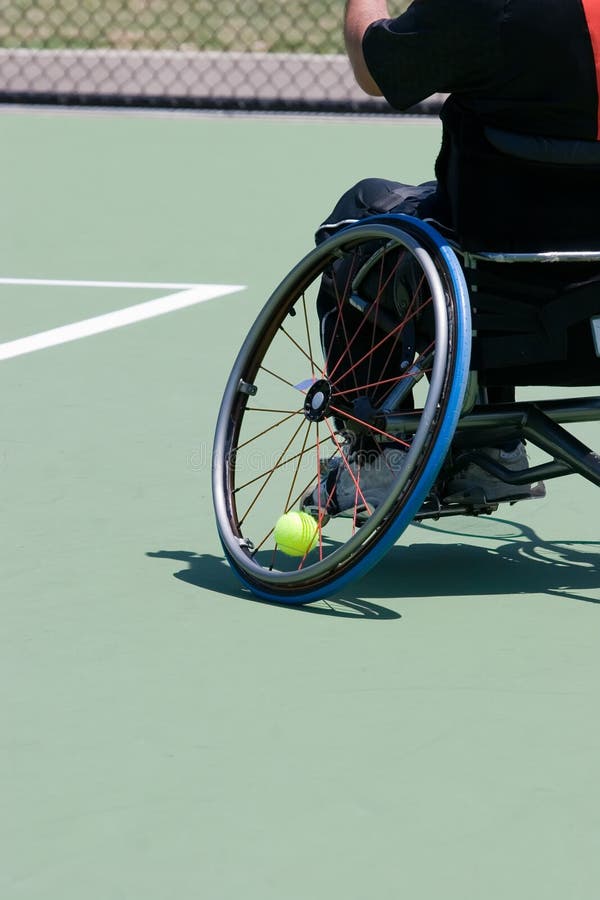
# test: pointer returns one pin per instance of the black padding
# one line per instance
(544, 150)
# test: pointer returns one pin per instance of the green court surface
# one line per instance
(431, 733)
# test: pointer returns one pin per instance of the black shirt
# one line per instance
(518, 67)
(521, 65)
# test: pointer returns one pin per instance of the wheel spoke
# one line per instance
(348, 469)
(278, 465)
(340, 318)
(320, 512)
(398, 378)
(376, 384)
(380, 343)
(374, 307)
(301, 349)
(346, 415)
(376, 304)
(266, 430)
(286, 507)
(270, 474)
(269, 409)
(279, 377)
(410, 313)
(308, 338)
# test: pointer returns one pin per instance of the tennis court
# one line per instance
(430, 733)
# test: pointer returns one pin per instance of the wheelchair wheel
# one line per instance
(384, 372)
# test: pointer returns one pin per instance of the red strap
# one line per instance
(591, 9)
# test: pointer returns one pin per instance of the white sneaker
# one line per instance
(474, 484)
(349, 486)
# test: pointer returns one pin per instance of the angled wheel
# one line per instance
(361, 353)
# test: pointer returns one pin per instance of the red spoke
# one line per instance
(321, 509)
(375, 307)
(278, 465)
(375, 316)
(269, 409)
(297, 470)
(375, 384)
(380, 291)
(288, 505)
(347, 464)
(308, 338)
(370, 352)
(340, 317)
(267, 430)
(397, 378)
(301, 349)
(271, 472)
(346, 415)
(355, 510)
(340, 307)
(408, 315)
(385, 338)
(279, 378)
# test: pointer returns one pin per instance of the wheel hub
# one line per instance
(318, 398)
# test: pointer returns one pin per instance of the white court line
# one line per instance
(61, 282)
(116, 319)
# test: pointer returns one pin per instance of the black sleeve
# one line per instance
(435, 46)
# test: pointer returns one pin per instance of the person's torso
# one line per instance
(548, 69)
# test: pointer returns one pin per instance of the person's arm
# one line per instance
(359, 15)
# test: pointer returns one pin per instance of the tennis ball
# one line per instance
(296, 533)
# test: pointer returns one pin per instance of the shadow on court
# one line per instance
(557, 569)
(213, 574)
(522, 565)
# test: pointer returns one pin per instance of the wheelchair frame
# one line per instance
(539, 422)
(455, 412)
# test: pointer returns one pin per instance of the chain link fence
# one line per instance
(239, 54)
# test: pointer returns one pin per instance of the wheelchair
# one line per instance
(412, 373)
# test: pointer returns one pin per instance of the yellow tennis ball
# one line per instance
(296, 533)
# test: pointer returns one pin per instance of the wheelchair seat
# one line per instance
(536, 317)
(530, 202)
(519, 192)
